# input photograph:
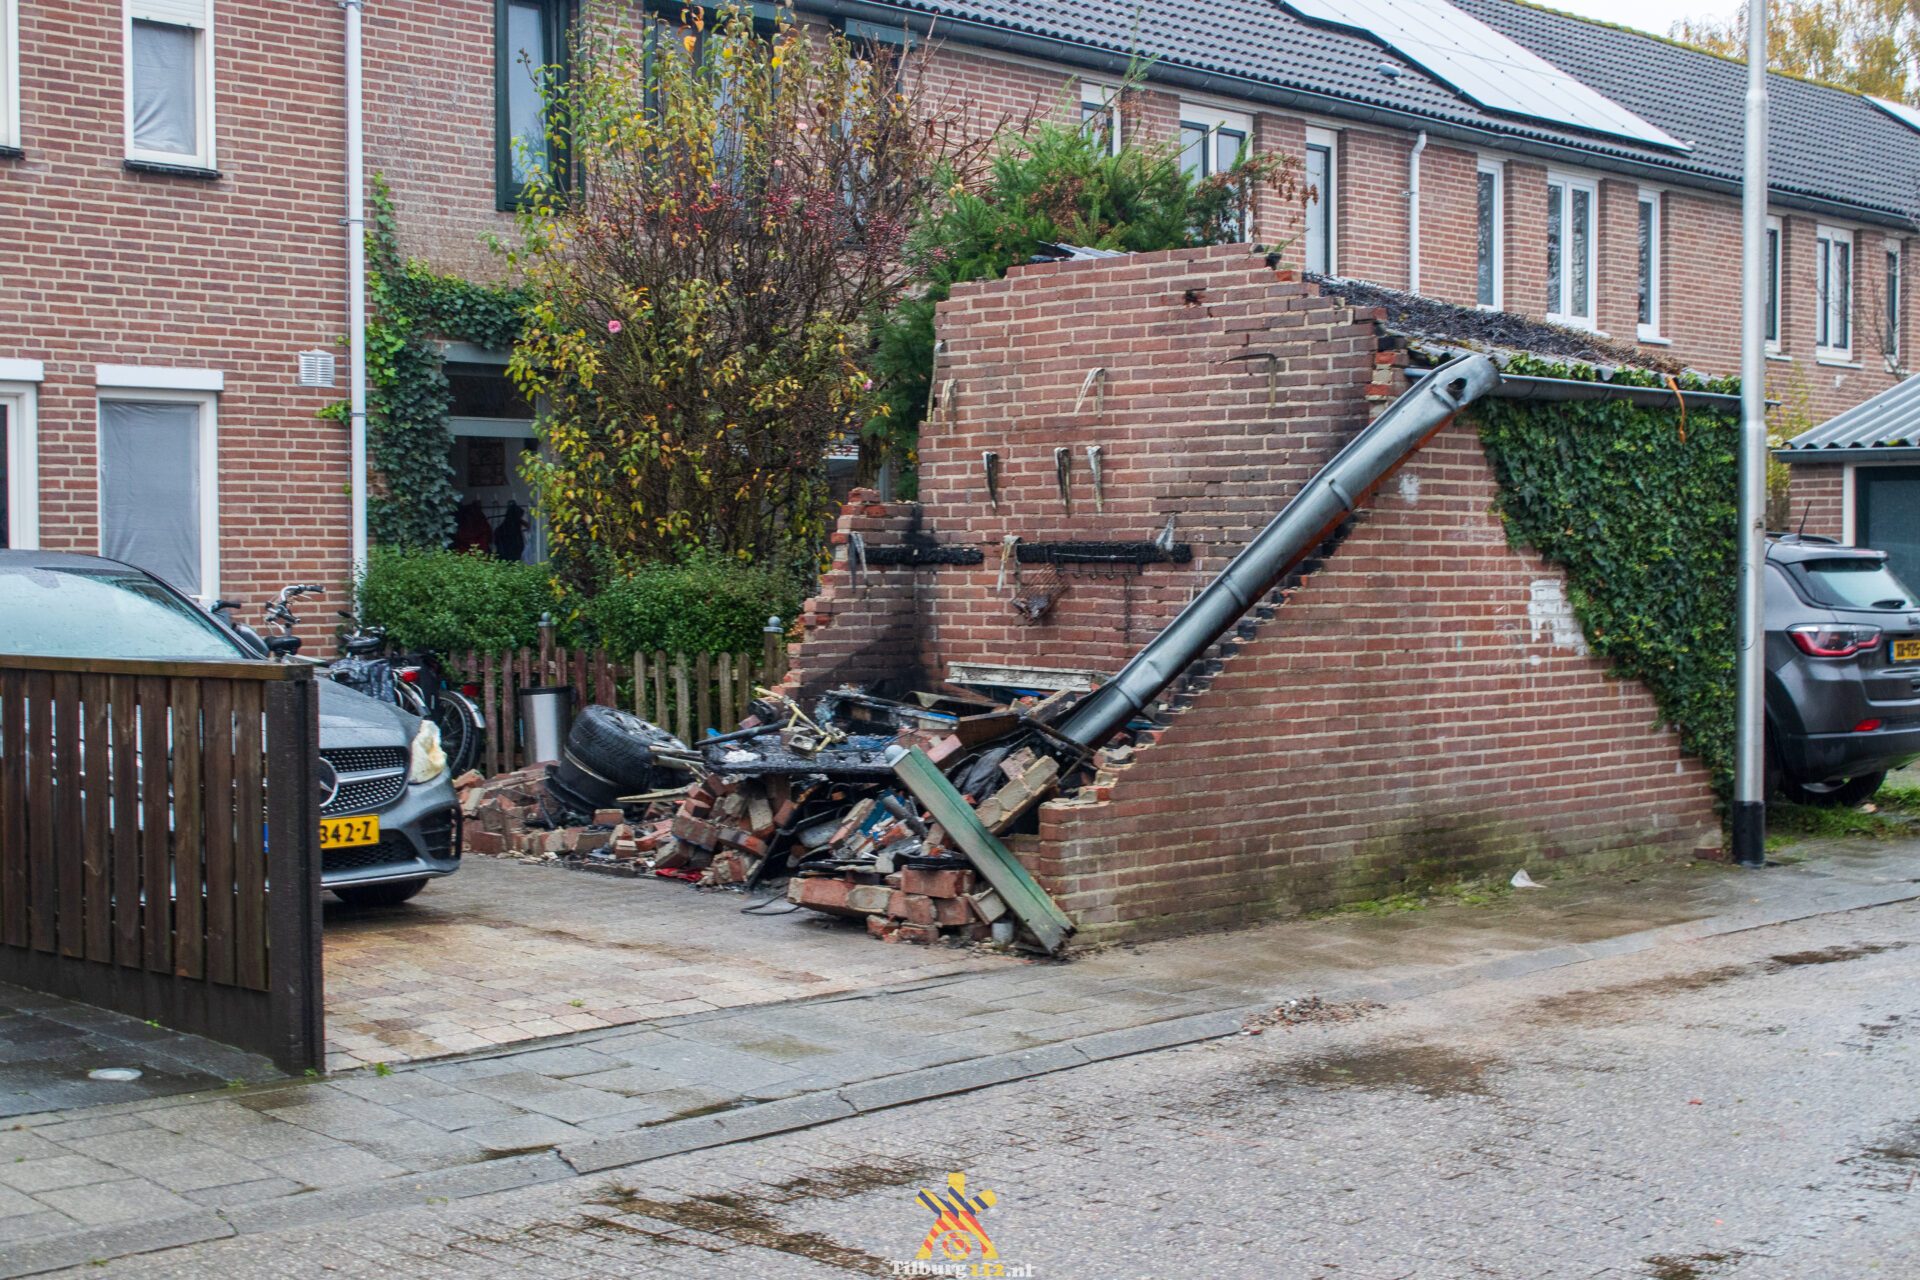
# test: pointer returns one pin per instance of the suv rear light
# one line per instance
(1867, 726)
(1827, 640)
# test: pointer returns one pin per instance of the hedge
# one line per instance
(451, 601)
(706, 605)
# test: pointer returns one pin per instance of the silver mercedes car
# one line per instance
(389, 813)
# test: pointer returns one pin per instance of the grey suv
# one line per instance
(396, 797)
(1843, 670)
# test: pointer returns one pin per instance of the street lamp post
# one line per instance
(1749, 786)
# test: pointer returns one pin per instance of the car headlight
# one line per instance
(428, 761)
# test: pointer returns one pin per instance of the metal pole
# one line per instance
(356, 222)
(1750, 775)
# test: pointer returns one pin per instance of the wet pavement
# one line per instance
(51, 1050)
(266, 1165)
(1741, 1105)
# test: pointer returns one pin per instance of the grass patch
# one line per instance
(1892, 818)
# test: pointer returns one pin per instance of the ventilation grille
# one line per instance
(317, 369)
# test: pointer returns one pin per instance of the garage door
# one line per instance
(1888, 506)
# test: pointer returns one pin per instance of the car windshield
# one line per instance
(103, 612)
(1855, 583)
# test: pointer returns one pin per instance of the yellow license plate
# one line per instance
(348, 833)
(1906, 650)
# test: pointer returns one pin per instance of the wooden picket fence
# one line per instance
(686, 694)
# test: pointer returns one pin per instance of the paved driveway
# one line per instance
(510, 951)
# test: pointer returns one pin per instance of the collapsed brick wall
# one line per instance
(1422, 708)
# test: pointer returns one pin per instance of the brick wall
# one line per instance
(1818, 494)
(238, 274)
(1410, 714)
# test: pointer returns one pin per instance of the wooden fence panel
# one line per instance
(159, 833)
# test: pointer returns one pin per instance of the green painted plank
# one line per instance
(1021, 892)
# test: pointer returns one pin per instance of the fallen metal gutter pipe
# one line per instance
(1315, 512)
(1517, 386)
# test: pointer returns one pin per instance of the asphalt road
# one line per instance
(1745, 1107)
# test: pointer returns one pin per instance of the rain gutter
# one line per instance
(1514, 386)
(1850, 453)
(1246, 88)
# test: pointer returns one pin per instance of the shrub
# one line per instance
(706, 605)
(450, 601)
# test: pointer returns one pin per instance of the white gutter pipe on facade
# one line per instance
(356, 222)
(1413, 213)
(1749, 765)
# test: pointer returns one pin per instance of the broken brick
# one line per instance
(693, 831)
(936, 883)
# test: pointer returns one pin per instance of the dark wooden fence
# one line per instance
(159, 831)
(686, 694)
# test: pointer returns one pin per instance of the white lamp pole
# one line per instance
(1749, 786)
(356, 224)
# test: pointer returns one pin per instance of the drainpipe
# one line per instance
(1413, 213)
(356, 222)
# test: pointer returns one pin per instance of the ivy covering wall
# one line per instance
(410, 306)
(1638, 506)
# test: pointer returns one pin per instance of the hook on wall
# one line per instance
(1095, 383)
(990, 469)
(1063, 476)
(1273, 371)
(1096, 457)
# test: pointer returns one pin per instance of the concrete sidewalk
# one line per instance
(81, 1186)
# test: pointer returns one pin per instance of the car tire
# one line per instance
(390, 894)
(579, 788)
(1843, 794)
(618, 746)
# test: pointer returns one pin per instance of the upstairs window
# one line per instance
(1100, 112)
(1571, 262)
(530, 55)
(1648, 214)
(169, 82)
(1321, 178)
(1890, 341)
(1212, 142)
(1773, 283)
(1490, 232)
(1833, 292)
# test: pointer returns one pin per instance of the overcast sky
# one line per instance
(1648, 15)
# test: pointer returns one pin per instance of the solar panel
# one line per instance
(1483, 66)
(1900, 111)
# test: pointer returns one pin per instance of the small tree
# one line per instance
(736, 206)
(1869, 46)
(1054, 184)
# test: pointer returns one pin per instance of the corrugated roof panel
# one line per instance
(1889, 420)
(1484, 66)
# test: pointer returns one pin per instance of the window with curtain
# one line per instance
(150, 487)
(1489, 231)
(530, 47)
(169, 82)
(1833, 291)
(1320, 197)
(1570, 250)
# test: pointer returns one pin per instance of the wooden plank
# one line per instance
(681, 713)
(490, 708)
(745, 708)
(156, 869)
(250, 848)
(604, 681)
(125, 713)
(509, 724)
(659, 715)
(96, 843)
(189, 825)
(702, 698)
(216, 712)
(68, 789)
(723, 679)
(296, 994)
(1022, 893)
(640, 684)
(41, 887)
(13, 808)
(238, 669)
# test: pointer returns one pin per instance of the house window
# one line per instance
(1648, 214)
(530, 55)
(1100, 112)
(169, 82)
(1890, 341)
(19, 455)
(1212, 142)
(9, 74)
(1322, 191)
(1773, 283)
(1491, 230)
(1833, 292)
(1571, 262)
(158, 508)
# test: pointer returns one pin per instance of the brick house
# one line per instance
(170, 178)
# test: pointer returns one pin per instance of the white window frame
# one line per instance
(1214, 121)
(1103, 95)
(1497, 170)
(9, 73)
(1777, 342)
(171, 13)
(20, 397)
(1893, 307)
(1329, 141)
(1569, 183)
(1825, 312)
(1656, 260)
(209, 402)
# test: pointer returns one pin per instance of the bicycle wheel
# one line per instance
(463, 731)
